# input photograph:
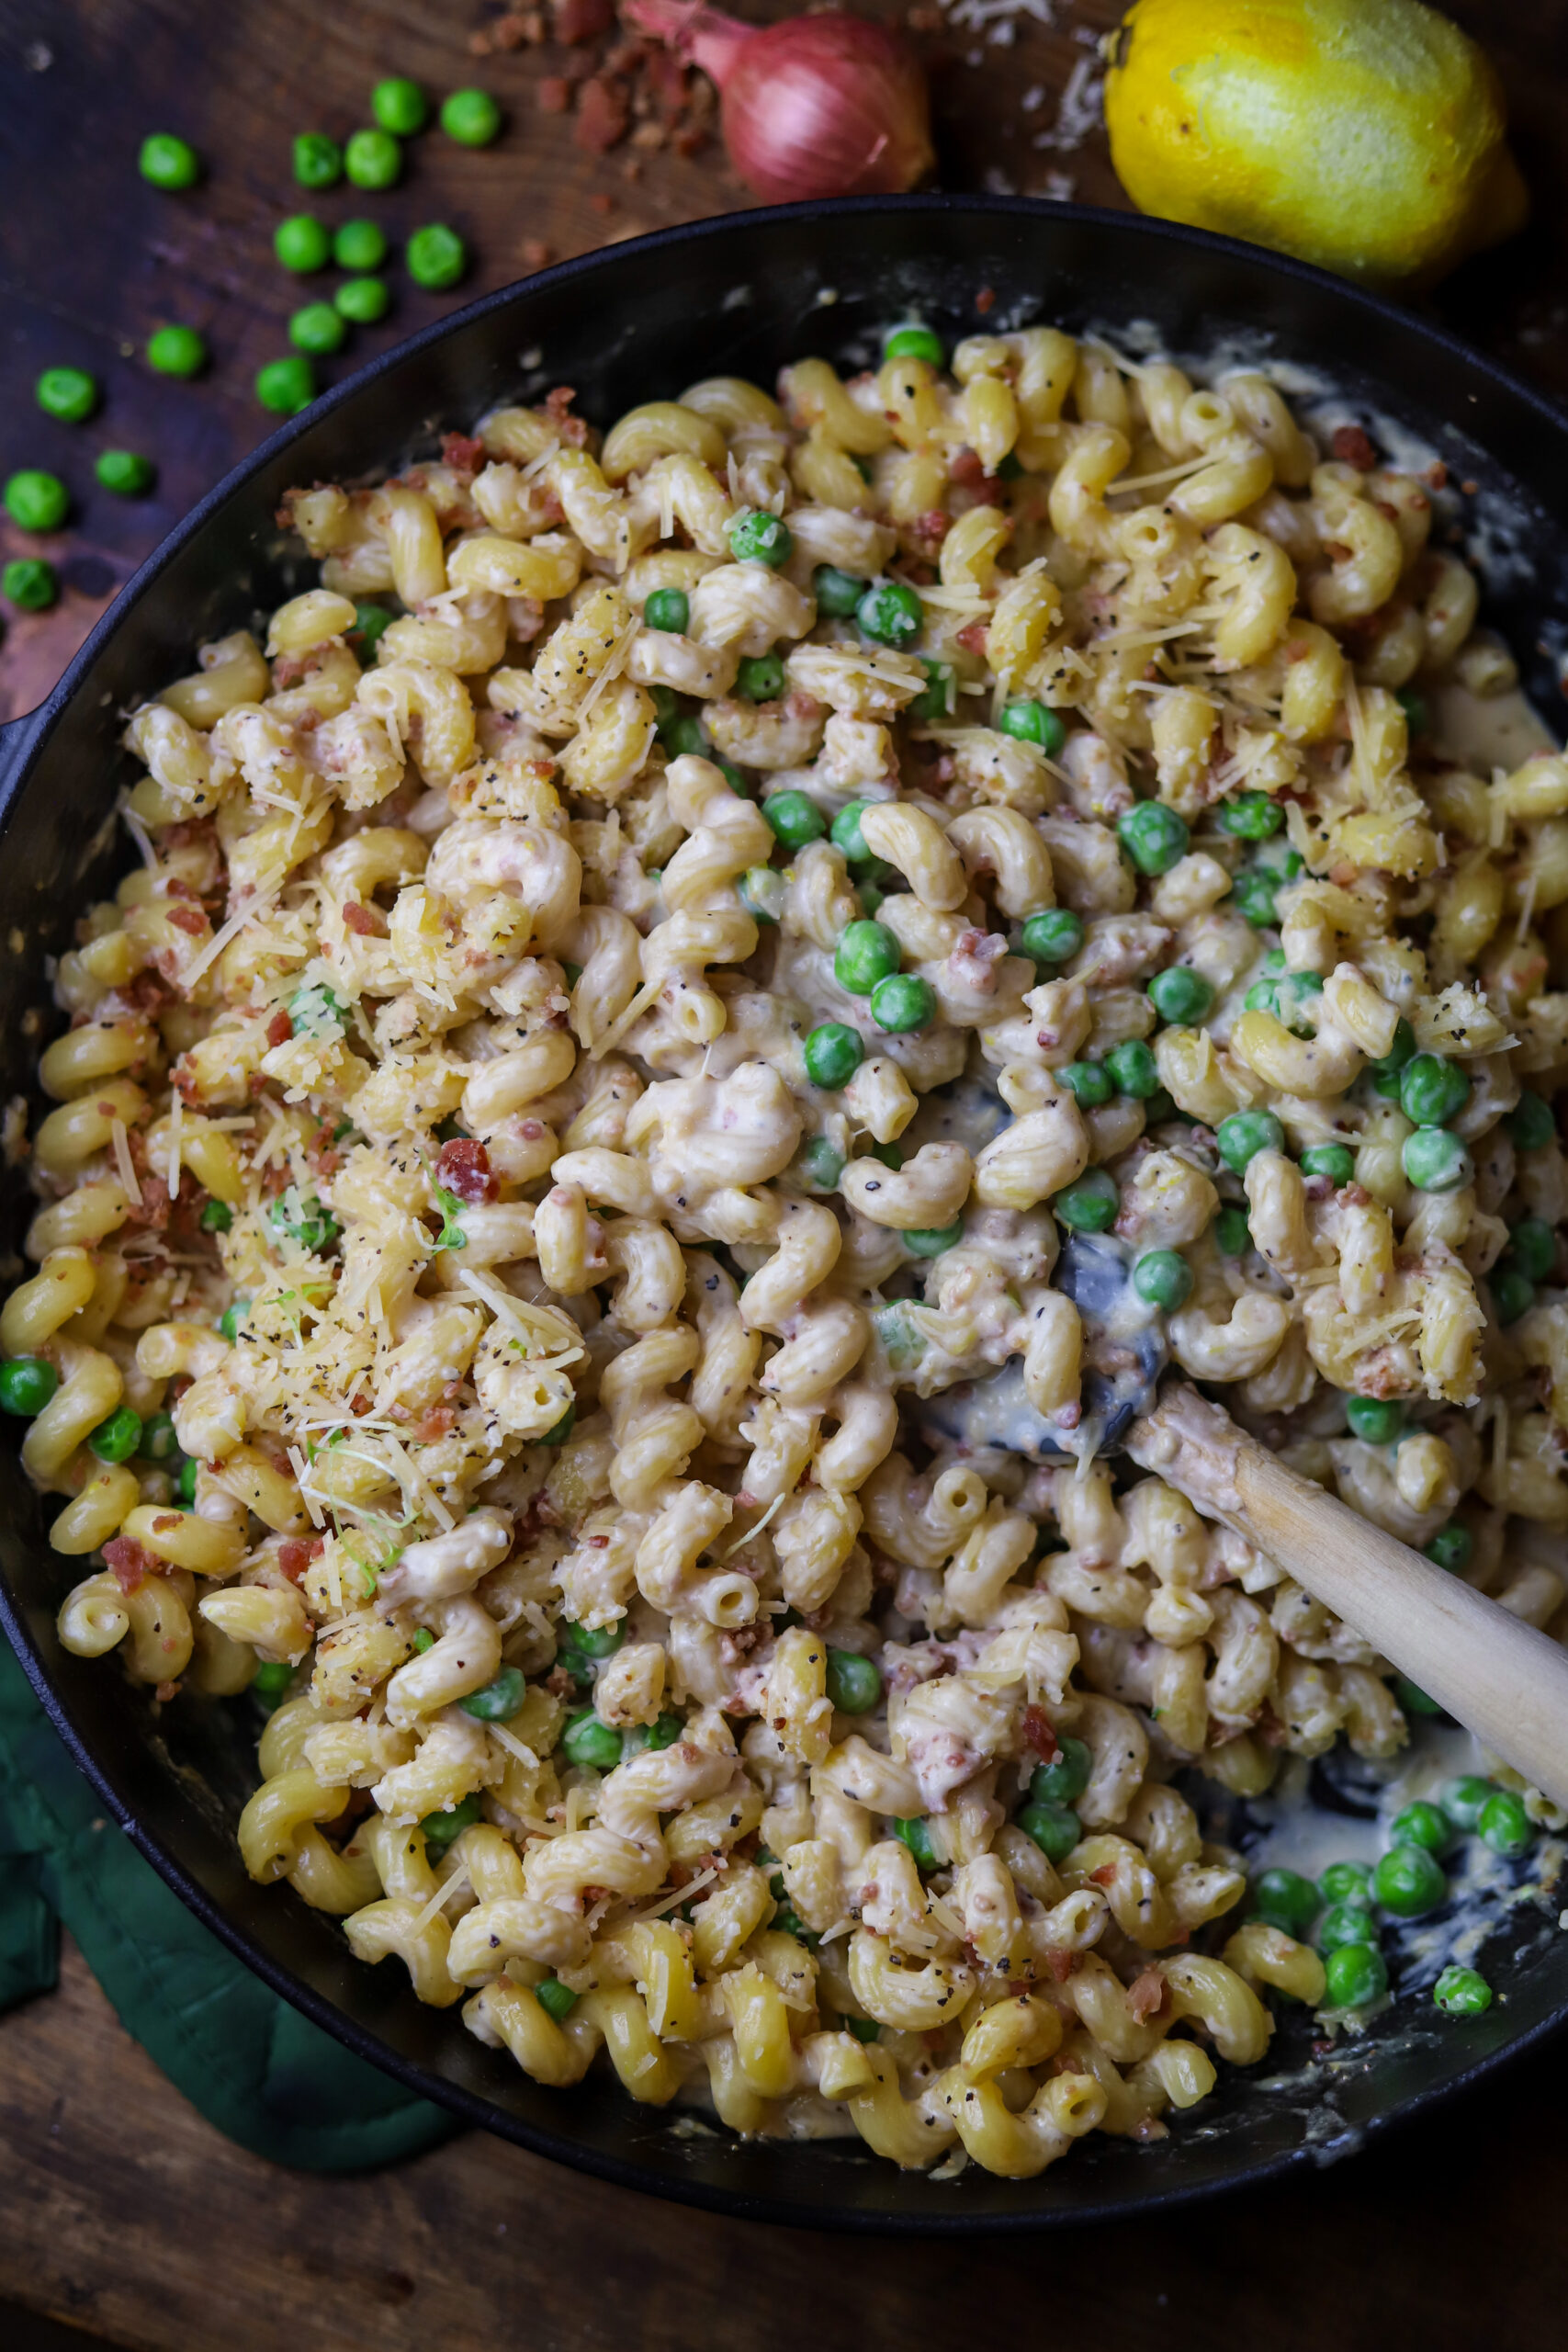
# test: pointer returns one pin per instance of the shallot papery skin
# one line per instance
(826, 105)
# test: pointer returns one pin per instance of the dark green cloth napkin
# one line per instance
(253, 2066)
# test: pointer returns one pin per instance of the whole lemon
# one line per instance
(1364, 135)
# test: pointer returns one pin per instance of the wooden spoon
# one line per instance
(1504, 1680)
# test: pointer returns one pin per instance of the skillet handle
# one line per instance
(17, 739)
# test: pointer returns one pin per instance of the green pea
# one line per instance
(1532, 1245)
(1435, 1160)
(471, 117)
(436, 257)
(1153, 835)
(399, 106)
(834, 1052)
(869, 896)
(891, 614)
(216, 1217)
(317, 328)
(1252, 895)
(595, 1642)
(365, 300)
(69, 393)
(760, 678)
(558, 1431)
(846, 832)
(176, 351)
(1287, 1901)
(117, 1439)
(930, 1240)
(891, 1154)
(27, 1383)
(1162, 1278)
(731, 775)
(1055, 1829)
(317, 160)
(1414, 1702)
(1377, 1421)
(1244, 1135)
(1432, 1090)
(1513, 1293)
(127, 475)
(1465, 1798)
(158, 1442)
(757, 536)
(1232, 1234)
(1462, 1992)
(903, 1003)
(1417, 714)
(31, 584)
(1052, 936)
(36, 500)
(662, 1733)
(1089, 1205)
(1346, 1882)
(1262, 997)
(1333, 1161)
(359, 245)
(373, 158)
(1530, 1124)
(302, 243)
(1181, 994)
(854, 1683)
(916, 1835)
(314, 1227)
(795, 819)
(867, 953)
(914, 342)
(820, 1164)
(863, 2029)
(168, 161)
(184, 1483)
(556, 1999)
(229, 1322)
(286, 386)
(272, 1678)
(498, 1700)
(837, 592)
(1033, 722)
(589, 1741)
(371, 623)
(1451, 1548)
(667, 608)
(1133, 1068)
(1250, 816)
(1409, 1882)
(1347, 1923)
(1088, 1083)
(1504, 1825)
(1422, 1824)
(1357, 1975)
(936, 698)
(1160, 1104)
(1386, 1075)
(441, 1828)
(1064, 1778)
(1290, 994)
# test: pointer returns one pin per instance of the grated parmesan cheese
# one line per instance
(123, 1162)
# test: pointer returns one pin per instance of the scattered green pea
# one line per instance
(1349, 1922)
(441, 1828)
(1033, 722)
(1232, 1234)
(1451, 1548)
(373, 158)
(1133, 1068)
(834, 1052)
(470, 117)
(760, 678)
(1513, 1293)
(436, 257)
(1346, 1882)
(891, 614)
(1333, 1161)
(1432, 1089)
(498, 1700)
(1055, 1829)
(1179, 994)
(36, 500)
(229, 1322)
(914, 342)
(68, 393)
(821, 1165)
(1532, 1245)
(1377, 1421)
(124, 472)
(184, 1483)
(1065, 1777)
(762, 892)
(1153, 835)
(302, 243)
(1052, 935)
(903, 1003)
(837, 592)
(1162, 1278)
(1244, 1135)
(285, 386)
(589, 1741)
(867, 953)
(1088, 1083)
(272, 1678)
(168, 161)
(1418, 712)
(399, 106)
(27, 1383)
(365, 300)
(1386, 1075)
(1409, 1882)
(1356, 1974)
(915, 1834)
(1089, 1205)
(158, 1441)
(936, 698)
(1464, 1798)
(317, 328)
(1287, 1901)
(1250, 816)
(558, 1431)
(31, 584)
(317, 160)
(556, 1999)
(669, 609)
(371, 623)
(1414, 1701)
(930, 1242)
(1422, 1824)
(863, 2029)
(1462, 1992)
(117, 1439)
(757, 536)
(1435, 1160)
(1504, 1825)
(795, 818)
(1530, 1124)
(663, 1732)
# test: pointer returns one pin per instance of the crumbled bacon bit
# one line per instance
(462, 1167)
(154, 1213)
(535, 253)
(573, 429)
(581, 20)
(1040, 1732)
(190, 920)
(279, 1029)
(973, 639)
(552, 94)
(964, 467)
(130, 1563)
(439, 1422)
(1105, 1875)
(1059, 1962)
(462, 452)
(986, 300)
(1146, 1995)
(558, 1683)
(294, 1555)
(1352, 447)
(165, 1692)
(359, 920)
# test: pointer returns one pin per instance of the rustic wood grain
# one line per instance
(122, 2215)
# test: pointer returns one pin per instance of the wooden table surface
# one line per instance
(122, 2214)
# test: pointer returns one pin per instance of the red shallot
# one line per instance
(826, 105)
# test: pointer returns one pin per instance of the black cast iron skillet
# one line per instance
(737, 296)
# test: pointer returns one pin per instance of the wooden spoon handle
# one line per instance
(1504, 1680)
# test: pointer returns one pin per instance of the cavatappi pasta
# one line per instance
(622, 1001)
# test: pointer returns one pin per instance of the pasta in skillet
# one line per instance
(555, 1201)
